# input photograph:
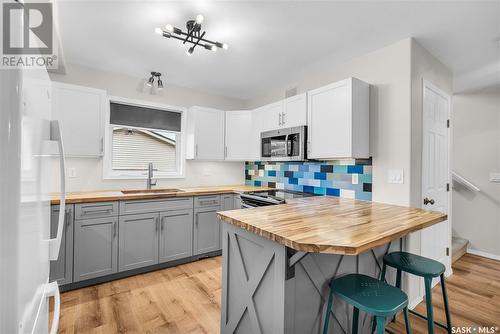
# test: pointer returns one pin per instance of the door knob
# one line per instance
(428, 201)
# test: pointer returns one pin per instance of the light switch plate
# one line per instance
(395, 176)
(495, 177)
(72, 172)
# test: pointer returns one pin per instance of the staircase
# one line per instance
(458, 248)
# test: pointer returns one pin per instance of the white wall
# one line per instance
(387, 70)
(476, 153)
(89, 170)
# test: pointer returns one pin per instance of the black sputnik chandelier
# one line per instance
(194, 35)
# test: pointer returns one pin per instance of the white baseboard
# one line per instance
(413, 303)
(483, 254)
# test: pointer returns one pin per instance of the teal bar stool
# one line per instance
(369, 295)
(422, 267)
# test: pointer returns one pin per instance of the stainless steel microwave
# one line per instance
(287, 144)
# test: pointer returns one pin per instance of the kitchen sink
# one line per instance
(151, 191)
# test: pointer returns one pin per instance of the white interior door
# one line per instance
(435, 171)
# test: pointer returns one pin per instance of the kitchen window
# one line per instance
(140, 134)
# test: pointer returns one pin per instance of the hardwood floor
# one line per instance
(186, 299)
(182, 299)
(473, 295)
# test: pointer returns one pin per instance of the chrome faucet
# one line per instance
(150, 181)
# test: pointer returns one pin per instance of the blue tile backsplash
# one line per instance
(333, 178)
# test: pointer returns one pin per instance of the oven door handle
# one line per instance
(247, 206)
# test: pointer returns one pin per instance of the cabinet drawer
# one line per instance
(206, 201)
(155, 205)
(96, 210)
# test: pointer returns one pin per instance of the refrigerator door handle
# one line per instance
(53, 291)
(55, 244)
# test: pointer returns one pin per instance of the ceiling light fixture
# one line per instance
(151, 80)
(194, 35)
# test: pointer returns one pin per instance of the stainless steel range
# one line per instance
(271, 197)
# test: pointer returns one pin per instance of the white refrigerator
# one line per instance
(29, 140)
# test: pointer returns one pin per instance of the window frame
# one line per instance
(107, 165)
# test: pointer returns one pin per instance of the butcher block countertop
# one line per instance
(116, 195)
(331, 224)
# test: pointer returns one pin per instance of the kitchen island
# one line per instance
(278, 260)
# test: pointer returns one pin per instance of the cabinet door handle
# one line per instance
(225, 152)
(114, 229)
(283, 118)
(196, 219)
(196, 151)
(279, 119)
(161, 223)
(102, 144)
(68, 216)
(157, 225)
(428, 201)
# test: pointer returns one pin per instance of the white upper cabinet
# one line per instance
(241, 139)
(338, 120)
(286, 113)
(295, 111)
(271, 115)
(205, 134)
(80, 111)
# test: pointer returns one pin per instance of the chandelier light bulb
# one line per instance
(199, 18)
(169, 28)
(159, 31)
(225, 46)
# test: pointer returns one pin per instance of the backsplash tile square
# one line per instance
(351, 179)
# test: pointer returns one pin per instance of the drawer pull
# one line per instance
(94, 211)
(208, 202)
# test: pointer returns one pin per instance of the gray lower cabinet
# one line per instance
(138, 245)
(61, 270)
(176, 235)
(206, 230)
(226, 202)
(95, 248)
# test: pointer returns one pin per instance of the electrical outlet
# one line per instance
(72, 172)
(395, 176)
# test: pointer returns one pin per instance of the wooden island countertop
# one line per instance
(331, 224)
(117, 195)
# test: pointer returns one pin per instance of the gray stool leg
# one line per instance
(428, 303)
(355, 320)
(446, 306)
(407, 321)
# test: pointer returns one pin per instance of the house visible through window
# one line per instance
(134, 149)
(139, 135)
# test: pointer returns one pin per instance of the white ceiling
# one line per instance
(269, 40)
